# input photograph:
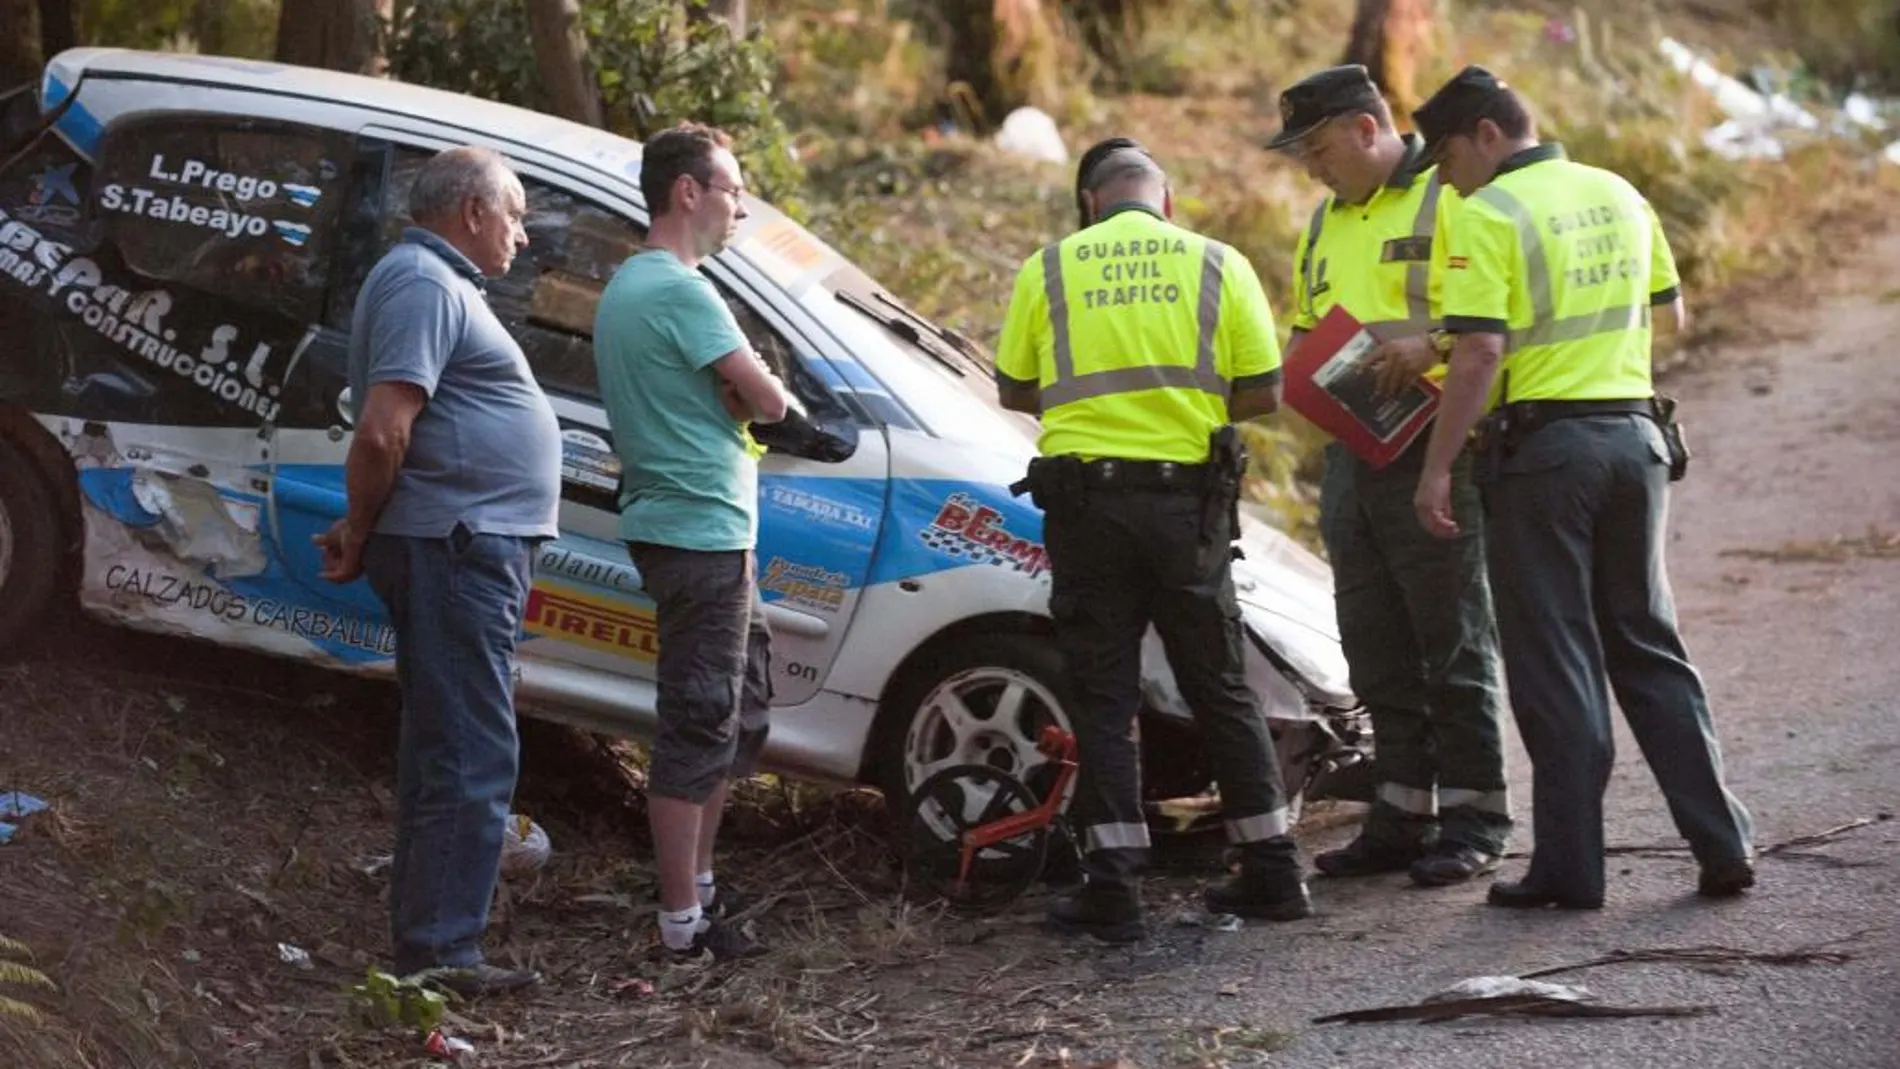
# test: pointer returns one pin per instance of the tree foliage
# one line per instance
(653, 64)
(231, 27)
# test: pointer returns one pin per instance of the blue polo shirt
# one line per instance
(486, 449)
(687, 477)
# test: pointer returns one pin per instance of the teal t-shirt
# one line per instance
(687, 478)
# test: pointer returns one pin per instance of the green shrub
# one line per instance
(653, 64)
(1842, 42)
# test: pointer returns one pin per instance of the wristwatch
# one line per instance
(1442, 341)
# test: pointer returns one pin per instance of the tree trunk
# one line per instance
(207, 26)
(560, 55)
(336, 34)
(56, 27)
(19, 50)
(730, 12)
(1003, 52)
(1390, 37)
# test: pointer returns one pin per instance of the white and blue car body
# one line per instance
(181, 240)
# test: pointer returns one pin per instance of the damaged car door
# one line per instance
(179, 262)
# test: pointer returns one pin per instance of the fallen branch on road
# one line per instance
(1709, 955)
(1508, 1006)
(1670, 849)
(1824, 836)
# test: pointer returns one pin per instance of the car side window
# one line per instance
(548, 297)
(236, 207)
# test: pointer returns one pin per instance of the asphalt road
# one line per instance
(1796, 442)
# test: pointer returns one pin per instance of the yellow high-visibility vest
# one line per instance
(1136, 331)
(1565, 260)
(1377, 258)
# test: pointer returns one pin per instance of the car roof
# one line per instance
(558, 136)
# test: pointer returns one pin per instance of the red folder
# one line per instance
(1328, 382)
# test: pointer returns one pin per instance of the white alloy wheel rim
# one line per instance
(981, 716)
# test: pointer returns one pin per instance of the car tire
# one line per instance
(981, 700)
(29, 546)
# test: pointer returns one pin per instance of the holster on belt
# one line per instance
(1663, 411)
(1052, 481)
(1227, 464)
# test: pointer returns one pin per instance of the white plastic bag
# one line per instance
(524, 846)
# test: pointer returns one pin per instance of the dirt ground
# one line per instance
(209, 807)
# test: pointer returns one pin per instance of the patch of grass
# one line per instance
(17, 973)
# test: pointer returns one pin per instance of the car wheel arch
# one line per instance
(53, 465)
(45, 476)
(925, 659)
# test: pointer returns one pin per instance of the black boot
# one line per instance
(1269, 886)
(1108, 911)
(1392, 847)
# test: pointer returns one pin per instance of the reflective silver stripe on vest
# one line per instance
(1115, 837)
(1058, 314)
(1208, 315)
(1498, 802)
(1546, 328)
(1260, 826)
(1418, 275)
(1417, 801)
(1312, 243)
(1069, 387)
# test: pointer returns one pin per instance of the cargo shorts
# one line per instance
(715, 668)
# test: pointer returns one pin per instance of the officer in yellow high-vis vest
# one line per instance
(1415, 614)
(1138, 342)
(1554, 272)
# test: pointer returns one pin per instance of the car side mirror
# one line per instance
(829, 441)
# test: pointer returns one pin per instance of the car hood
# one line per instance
(1286, 596)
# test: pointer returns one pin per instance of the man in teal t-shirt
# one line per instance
(680, 383)
(687, 479)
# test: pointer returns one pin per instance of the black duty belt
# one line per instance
(1532, 414)
(1113, 473)
(1567, 409)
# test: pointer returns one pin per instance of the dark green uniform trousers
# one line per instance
(1576, 527)
(1416, 622)
(1121, 560)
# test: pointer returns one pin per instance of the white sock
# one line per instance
(678, 929)
(703, 883)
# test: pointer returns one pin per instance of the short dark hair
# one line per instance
(685, 149)
(1506, 109)
(1109, 158)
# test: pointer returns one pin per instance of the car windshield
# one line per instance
(944, 352)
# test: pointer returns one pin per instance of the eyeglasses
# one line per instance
(735, 194)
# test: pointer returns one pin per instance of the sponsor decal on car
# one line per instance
(198, 594)
(568, 615)
(554, 559)
(54, 200)
(805, 584)
(823, 509)
(587, 460)
(966, 528)
(136, 200)
(136, 320)
(199, 174)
